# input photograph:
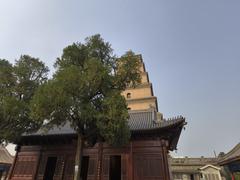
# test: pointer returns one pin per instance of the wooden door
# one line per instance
(106, 167)
(58, 169)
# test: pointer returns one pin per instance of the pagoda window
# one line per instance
(128, 95)
(115, 168)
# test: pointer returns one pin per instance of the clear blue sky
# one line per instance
(191, 50)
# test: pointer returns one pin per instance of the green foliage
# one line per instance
(127, 71)
(78, 53)
(17, 85)
(112, 120)
(86, 91)
(30, 73)
(7, 79)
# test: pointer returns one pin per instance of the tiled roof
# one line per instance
(202, 161)
(138, 121)
(61, 130)
(5, 157)
(232, 155)
(147, 120)
(190, 165)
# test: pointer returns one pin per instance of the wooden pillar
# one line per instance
(37, 164)
(99, 165)
(130, 163)
(164, 145)
(17, 148)
(63, 167)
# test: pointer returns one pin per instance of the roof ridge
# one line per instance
(210, 165)
(175, 118)
(139, 111)
(233, 150)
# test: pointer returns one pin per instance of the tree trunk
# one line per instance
(78, 158)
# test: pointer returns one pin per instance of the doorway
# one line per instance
(115, 168)
(50, 168)
(84, 167)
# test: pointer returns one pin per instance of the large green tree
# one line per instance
(85, 91)
(18, 83)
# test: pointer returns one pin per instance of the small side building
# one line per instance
(6, 161)
(195, 168)
(210, 172)
(231, 162)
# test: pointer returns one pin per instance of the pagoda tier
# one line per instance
(142, 96)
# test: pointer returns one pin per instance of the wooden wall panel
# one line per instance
(64, 165)
(69, 167)
(92, 168)
(41, 168)
(124, 166)
(105, 167)
(25, 166)
(141, 160)
(58, 174)
(148, 167)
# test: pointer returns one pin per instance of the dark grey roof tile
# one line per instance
(138, 121)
